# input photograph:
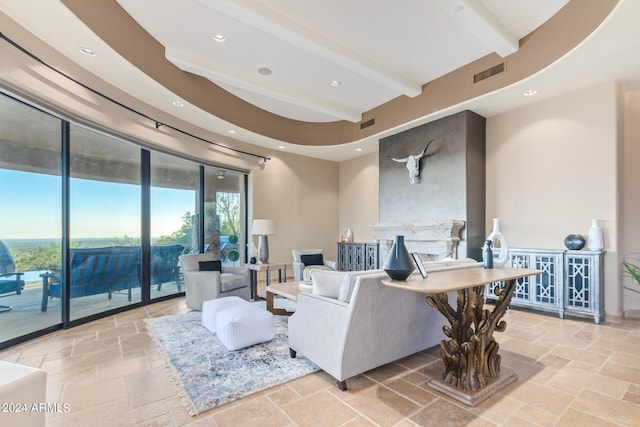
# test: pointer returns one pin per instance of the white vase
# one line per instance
(500, 248)
(596, 240)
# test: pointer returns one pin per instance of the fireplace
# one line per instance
(433, 240)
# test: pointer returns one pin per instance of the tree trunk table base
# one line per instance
(472, 398)
(469, 352)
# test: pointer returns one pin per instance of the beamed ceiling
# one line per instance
(322, 78)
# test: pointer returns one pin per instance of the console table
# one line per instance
(470, 355)
(571, 282)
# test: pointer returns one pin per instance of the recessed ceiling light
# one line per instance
(281, 147)
(459, 8)
(358, 149)
(335, 83)
(178, 104)
(530, 92)
(87, 51)
(264, 71)
(231, 132)
(219, 38)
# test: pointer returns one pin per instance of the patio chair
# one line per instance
(164, 265)
(10, 280)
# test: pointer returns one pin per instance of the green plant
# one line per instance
(633, 270)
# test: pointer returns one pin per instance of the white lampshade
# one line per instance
(263, 227)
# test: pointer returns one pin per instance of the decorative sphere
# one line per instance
(253, 260)
(574, 242)
(234, 255)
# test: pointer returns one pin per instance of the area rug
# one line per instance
(208, 375)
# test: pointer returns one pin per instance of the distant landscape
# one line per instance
(26, 244)
(36, 255)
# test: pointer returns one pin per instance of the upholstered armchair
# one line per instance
(308, 259)
(205, 279)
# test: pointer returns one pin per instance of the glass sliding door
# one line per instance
(96, 205)
(105, 223)
(224, 208)
(174, 219)
(30, 218)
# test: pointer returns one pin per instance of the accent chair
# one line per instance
(308, 259)
(206, 279)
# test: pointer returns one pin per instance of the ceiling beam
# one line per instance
(212, 71)
(483, 24)
(266, 20)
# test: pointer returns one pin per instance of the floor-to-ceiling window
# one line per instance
(105, 226)
(92, 224)
(30, 217)
(224, 207)
(174, 224)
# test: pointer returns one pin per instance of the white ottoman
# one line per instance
(243, 325)
(211, 308)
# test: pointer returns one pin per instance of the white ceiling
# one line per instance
(377, 50)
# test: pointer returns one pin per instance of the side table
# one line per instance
(266, 267)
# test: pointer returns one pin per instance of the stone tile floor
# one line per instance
(571, 372)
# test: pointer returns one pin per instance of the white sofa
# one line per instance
(299, 267)
(367, 325)
(23, 394)
(200, 286)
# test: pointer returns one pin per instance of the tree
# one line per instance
(228, 207)
(40, 258)
(126, 241)
(181, 236)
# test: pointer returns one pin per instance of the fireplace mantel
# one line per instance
(434, 240)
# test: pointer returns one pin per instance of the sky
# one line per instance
(32, 207)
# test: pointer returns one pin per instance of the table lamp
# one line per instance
(263, 228)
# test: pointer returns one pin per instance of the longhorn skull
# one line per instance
(413, 163)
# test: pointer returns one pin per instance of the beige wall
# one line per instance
(300, 194)
(631, 300)
(551, 168)
(359, 196)
(312, 201)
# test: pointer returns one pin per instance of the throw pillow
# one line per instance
(312, 259)
(210, 265)
(346, 287)
(326, 283)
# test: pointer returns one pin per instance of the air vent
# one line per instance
(496, 69)
(368, 123)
